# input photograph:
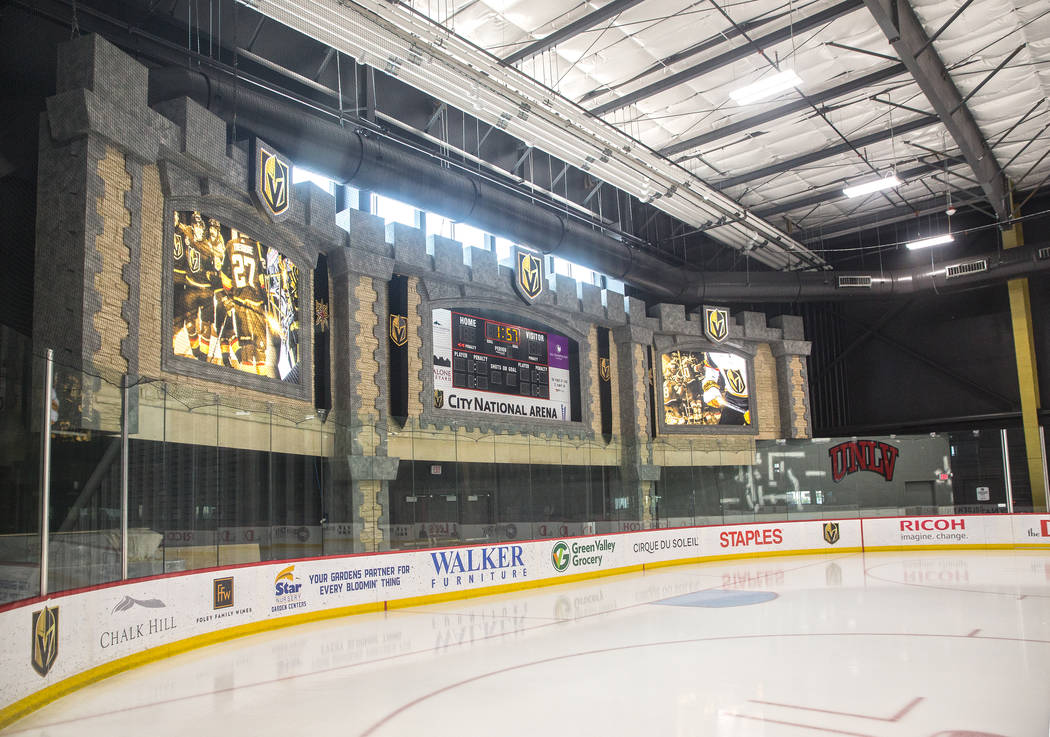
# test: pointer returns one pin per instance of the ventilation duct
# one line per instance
(371, 162)
(825, 286)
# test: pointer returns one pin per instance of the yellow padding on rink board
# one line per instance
(913, 548)
(740, 556)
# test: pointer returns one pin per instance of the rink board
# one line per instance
(105, 629)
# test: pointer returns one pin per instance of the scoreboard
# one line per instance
(484, 364)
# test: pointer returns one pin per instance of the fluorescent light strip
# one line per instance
(375, 32)
(876, 186)
(767, 87)
(936, 240)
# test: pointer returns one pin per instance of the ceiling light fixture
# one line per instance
(875, 186)
(936, 240)
(767, 87)
(462, 76)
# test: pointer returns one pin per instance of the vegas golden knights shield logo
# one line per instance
(735, 382)
(193, 259)
(439, 399)
(716, 323)
(398, 330)
(272, 181)
(831, 532)
(45, 640)
(528, 275)
(603, 368)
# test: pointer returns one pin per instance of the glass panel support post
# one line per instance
(45, 466)
(1046, 478)
(124, 414)
(1006, 473)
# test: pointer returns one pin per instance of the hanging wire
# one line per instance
(903, 241)
(893, 138)
(74, 28)
(339, 84)
(236, 70)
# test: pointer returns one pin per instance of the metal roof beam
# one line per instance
(575, 28)
(733, 55)
(905, 33)
(794, 106)
(930, 206)
(827, 153)
(835, 194)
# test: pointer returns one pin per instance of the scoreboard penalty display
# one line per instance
(490, 365)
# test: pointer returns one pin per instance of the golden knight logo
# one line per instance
(528, 275)
(439, 399)
(735, 383)
(831, 532)
(45, 640)
(398, 330)
(193, 259)
(603, 368)
(716, 323)
(272, 181)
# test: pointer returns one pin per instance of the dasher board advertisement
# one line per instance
(486, 365)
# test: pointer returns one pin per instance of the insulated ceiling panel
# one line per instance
(652, 42)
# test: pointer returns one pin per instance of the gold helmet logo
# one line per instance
(439, 399)
(529, 275)
(398, 330)
(716, 323)
(831, 532)
(735, 382)
(272, 181)
(603, 368)
(45, 640)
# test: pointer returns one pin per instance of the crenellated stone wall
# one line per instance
(113, 169)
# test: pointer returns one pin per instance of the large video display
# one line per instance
(236, 301)
(705, 389)
(483, 364)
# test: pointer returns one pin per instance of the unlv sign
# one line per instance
(863, 455)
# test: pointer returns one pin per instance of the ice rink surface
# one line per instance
(953, 644)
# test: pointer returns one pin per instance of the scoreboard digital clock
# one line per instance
(498, 331)
(483, 364)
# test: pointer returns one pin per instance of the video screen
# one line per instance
(705, 389)
(236, 300)
(484, 364)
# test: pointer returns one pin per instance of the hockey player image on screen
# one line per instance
(195, 280)
(236, 300)
(705, 389)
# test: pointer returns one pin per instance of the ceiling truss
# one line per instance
(905, 33)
